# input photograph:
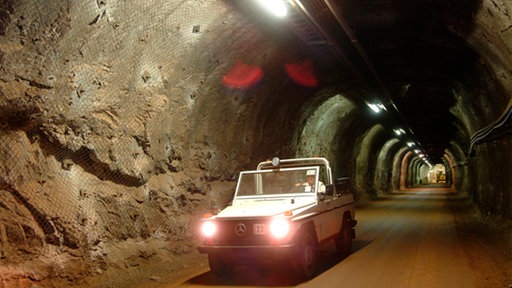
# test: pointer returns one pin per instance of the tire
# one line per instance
(344, 239)
(218, 266)
(305, 260)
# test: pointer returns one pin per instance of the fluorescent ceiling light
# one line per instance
(399, 131)
(374, 107)
(275, 6)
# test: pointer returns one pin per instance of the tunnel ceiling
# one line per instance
(410, 44)
(407, 52)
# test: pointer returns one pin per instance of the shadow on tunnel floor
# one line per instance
(278, 275)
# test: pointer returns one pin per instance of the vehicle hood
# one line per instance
(262, 208)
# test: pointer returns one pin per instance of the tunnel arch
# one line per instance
(399, 168)
(449, 164)
(419, 172)
(337, 120)
(319, 132)
(460, 174)
(366, 154)
(384, 167)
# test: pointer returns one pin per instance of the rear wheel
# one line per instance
(344, 240)
(306, 258)
(218, 266)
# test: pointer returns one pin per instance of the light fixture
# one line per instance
(277, 7)
(399, 131)
(376, 107)
(410, 144)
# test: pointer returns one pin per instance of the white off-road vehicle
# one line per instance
(282, 211)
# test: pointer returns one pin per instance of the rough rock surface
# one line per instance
(100, 167)
(111, 144)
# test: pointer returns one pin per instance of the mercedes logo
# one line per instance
(240, 229)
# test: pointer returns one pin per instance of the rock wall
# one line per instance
(118, 133)
(110, 144)
(491, 98)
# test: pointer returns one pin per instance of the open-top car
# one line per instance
(282, 211)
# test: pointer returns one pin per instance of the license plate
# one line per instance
(259, 229)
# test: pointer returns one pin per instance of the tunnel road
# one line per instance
(407, 239)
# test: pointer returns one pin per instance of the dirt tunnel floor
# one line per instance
(416, 238)
(423, 238)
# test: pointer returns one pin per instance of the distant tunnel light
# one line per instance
(410, 144)
(399, 131)
(375, 107)
(277, 7)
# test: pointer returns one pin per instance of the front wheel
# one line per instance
(344, 239)
(305, 259)
(218, 266)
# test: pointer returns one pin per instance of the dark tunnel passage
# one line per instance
(412, 63)
(124, 121)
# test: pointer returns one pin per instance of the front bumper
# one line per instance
(244, 254)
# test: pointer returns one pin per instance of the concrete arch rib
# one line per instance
(322, 125)
(384, 167)
(366, 158)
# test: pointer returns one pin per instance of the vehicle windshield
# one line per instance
(282, 181)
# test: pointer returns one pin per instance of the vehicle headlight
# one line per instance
(208, 228)
(279, 227)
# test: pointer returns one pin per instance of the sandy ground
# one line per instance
(417, 238)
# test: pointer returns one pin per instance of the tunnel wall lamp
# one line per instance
(376, 107)
(399, 131)
(277, 7)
